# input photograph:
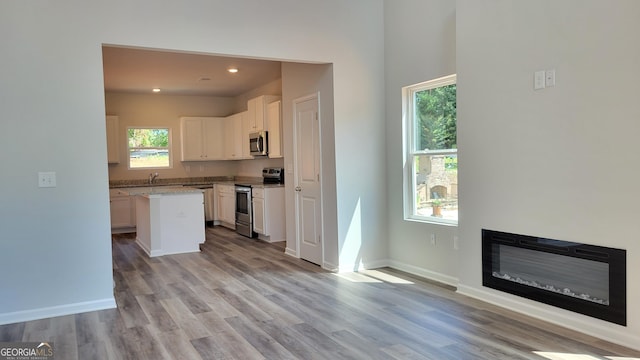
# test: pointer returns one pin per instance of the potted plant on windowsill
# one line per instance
(436, 208)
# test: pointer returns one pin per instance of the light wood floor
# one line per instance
(245, 299)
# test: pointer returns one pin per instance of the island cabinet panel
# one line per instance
(202, 138)
(171, 223)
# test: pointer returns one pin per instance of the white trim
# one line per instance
(296, 145)
(375, 264)
(53, 311)
(411, 269)
(408, 138)
(291, 252)
(330, 266)
(425, 273)
(587, 325)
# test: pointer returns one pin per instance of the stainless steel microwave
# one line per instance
(258, 143)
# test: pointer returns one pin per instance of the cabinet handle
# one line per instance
(298, 188)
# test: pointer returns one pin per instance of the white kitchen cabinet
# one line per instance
(268, 213)
(202, 138)
(274, 120)
(258, 213)
(225, 205)
(113, 151)
(233, 137)
(123, 211)
(244, 136)
(257, 112)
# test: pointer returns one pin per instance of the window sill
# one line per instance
(435, 221)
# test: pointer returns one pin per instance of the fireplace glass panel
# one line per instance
(581, 278)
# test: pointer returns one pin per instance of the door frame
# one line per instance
(296, 101)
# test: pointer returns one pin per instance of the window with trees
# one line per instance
(149, 148)
(431, 177)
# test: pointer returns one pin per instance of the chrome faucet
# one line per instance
(152, 177)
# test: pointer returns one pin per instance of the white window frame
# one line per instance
(168, 148)
(409, 137)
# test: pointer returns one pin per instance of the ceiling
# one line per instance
(141, 70)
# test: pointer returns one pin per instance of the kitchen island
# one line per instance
(170, 219)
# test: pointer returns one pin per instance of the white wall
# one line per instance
(165, 110)
(559, 162)
(56, 242)
(419, 46)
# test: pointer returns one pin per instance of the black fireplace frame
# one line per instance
(615, 311)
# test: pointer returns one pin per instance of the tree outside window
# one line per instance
(149, 148)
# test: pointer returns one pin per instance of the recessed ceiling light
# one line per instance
(232, 70)
(156, 90)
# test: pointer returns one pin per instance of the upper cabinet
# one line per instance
(113, 153)
(234, 136)
(257, 112)
(274, 121)
(202, 138)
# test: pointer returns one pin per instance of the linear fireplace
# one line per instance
(587, 279)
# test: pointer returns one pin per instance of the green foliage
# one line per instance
(139, 138)
(436, 118)
(451, 162)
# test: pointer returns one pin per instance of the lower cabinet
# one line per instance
(225, 205)
(123, 212)
(268, 213)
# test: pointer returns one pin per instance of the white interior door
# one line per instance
(307, 185)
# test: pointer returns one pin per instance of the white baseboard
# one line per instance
(411, 269)
(53, 311)
(330, 266)
(291, 252)
(598, 328)
(427, 274)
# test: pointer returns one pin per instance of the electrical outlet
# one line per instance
(456, 244)
(46, 179)
(432, 239)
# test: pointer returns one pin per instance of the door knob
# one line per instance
(298, 188)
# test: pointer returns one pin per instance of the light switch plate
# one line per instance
(47, 179)
(550, 78)
(539, 80)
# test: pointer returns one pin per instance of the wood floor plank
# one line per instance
(260, 340)
(189, 298)
(242, 298)
(359, 345)
(158, 317)
(292, 340)
(185, 318)
(228, 338)
(176, 344)
(130, 310)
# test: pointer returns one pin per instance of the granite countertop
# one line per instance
(175, 185)
(159, 190)
(195, 181)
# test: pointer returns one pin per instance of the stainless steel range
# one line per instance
(244, 212)
(244, 204)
